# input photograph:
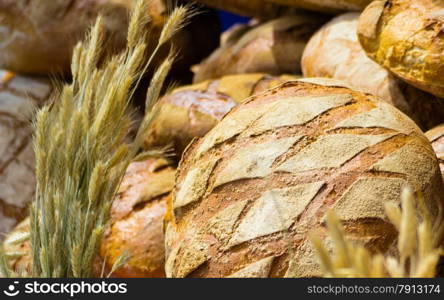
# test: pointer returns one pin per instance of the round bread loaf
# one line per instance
(251, 8)
(273, 48)
(191, 111)
(136, 223)
(334, 52)
(326, 5)
(17, 248)
(405, 36)
(19, 96)
(248, 192)
(436, 137)
(38, 36)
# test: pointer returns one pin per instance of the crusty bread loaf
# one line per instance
(16, 246)
(436, 137)
(326, 5)
(334, 52)
(19, 96)
(274, 48)
(191, 111)
(38, 36)
(136, 223)
(249, 191)
(405, 36)
(251, 8)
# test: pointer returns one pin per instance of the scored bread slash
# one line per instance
(248, 193)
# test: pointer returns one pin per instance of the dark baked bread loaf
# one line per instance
(334, 52)
(405, 36)
(19, 97)
(273, 48)
(248, 192)
(191, 111)
(38, 36)
(326, 5)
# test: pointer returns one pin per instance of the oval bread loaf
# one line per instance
(19, 97)
(326, 5)
(405, 36)
(273, 48)
(136, 223)
(38, 36)
(436, 137)
(247, 193)
(334, 52)
(191, 111)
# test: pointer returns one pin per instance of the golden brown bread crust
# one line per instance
(334, 52)
(249, 191)
(436, 137)
(19, 96)
(191, 111)
(327, 5)
(405, 36)
(16, 246)
(136, 223)
(38, 36)
(274, 48)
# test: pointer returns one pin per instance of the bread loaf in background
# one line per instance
(19, 97)
(136, 222)
(274, 47)
(250, 8)
(38, 36)
(436, 137)
(16, 247)
(334, 52)
(247, 193)
(191, 111)
(331, 6)
(405, 36)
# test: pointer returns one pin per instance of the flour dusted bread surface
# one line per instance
(19, 97)
(327, 5)
(436, 137)
(405, 36)
(248, 192)
(136, 223)
(334, 52)
(274, 47)
(191, 111)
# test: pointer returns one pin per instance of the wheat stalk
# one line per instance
(80, 148)
(417, 246)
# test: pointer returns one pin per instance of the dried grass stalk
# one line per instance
(418, 245)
